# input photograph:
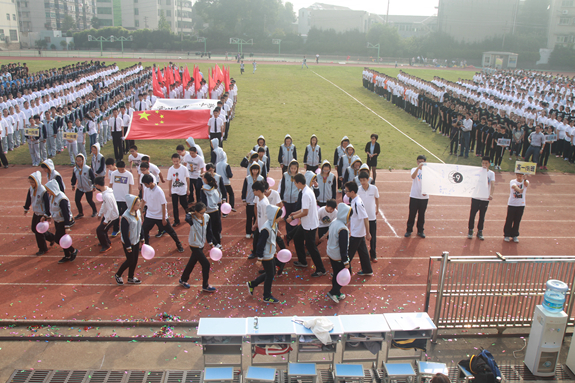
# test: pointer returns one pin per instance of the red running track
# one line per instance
(39, 288)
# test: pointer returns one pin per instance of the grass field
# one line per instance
(281, 99)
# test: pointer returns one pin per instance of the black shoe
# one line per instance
(119, 280)
(64, 260)
(79, 216)
(261, 271)
(251, 256)
(470, 234)
(319, 274)
(407, 234)
(41, 252)
(299, 264)
(480, 235)
(74, 254)
(180, 248)
(94, 213)
(52, 242)
(250, 288)
(280, 270)
(134, 281)
(160, 234)
(175, 224)
(420, 234)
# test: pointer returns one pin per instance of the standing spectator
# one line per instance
(515, 207)
(359, 229)
(481, 204)
(370, 196)
(466, 129)
(372, 150)
(536, 144)
(417, 200)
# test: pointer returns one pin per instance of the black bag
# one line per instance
(480, 367)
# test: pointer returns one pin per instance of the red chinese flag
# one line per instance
(210, 84)
(156, 86)
(169, 124)
(160, 78)
(186, 77)
(177, 75)
(227, 78)
(168, 77)
(197, 78)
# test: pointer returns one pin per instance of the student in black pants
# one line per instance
(38, 199)
(372, 150)
(156, 212)
(131, 240)
(61, 214)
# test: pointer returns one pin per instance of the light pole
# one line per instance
(101, 40)
(241, 43)
(121, 39)
(370, 45)
(202, 40)
(279, 43)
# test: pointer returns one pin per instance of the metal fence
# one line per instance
(492, 291)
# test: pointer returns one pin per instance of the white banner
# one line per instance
(183, 104)
(454, 180)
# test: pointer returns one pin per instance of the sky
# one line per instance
(396, 7)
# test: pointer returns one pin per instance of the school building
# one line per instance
(9, 35)
(561, 27)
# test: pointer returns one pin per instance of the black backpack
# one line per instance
(483, 367)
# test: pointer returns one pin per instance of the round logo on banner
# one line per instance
(455, 177)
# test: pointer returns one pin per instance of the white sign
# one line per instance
(184, 104)
(503, 141)
(550, 137)
(454, 180)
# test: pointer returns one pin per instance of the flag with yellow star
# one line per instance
(169, 124)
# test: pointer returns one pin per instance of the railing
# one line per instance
(492, 291)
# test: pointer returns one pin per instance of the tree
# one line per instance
(163, 24)
(53, 47)
(64, 44)
(95, 22)
(41, 44)
(68, 23)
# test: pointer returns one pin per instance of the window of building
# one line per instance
(136, 11)
(564, 21)
(13, 35)
(168, 13)
(567, 3)
(14, 16)
(160, 13)
(104, 11)
(1, 34)
(8, 16)
(106, 22)
(137, 23)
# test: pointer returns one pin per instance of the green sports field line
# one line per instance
(372, 111)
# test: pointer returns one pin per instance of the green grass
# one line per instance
(281, 99)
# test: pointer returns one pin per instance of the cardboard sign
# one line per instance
(524, 167)
(32, 132)
(70, 136)
(503, 141)
(550, 137)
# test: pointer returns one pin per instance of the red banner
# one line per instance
(169, 124)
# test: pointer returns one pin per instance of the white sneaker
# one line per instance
(516, 239)
(219, 246)
(506, 239)
(248, 236)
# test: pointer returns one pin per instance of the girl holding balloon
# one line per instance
(132, 236)
(61, 213)
(212, 198)
(199, 227)
(38, 199)
(337, 244)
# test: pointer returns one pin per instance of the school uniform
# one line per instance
(179, 187)
(515, 209)
(38, 199)
(249, 198)
(212, 198)
(369, 197)
(417, 204)
(289, 195)
(372, 149)
(199, 228)
(132, 235)
(480, 205)
(84, 177)
(286, 154)
(155, 198)
(327, 188)
(115, 124)
(312, 157)
(98, 163)
(120, 183)
(110, 217)
(61, 214)
(337, 246)
(224, 170)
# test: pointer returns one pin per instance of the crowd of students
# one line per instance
(533, 110)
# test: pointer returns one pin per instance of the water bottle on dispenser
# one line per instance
(554, 297)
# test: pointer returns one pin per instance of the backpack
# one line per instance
(483, 367)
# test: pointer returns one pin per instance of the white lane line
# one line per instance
(388, 224)
(372, 111)
(199, 285)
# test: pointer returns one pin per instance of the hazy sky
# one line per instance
(396, 7)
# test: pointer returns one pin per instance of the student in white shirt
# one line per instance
(157, 212)
(309, 223)
(417, 200)
(121, 181)
(195, 165)
(108, 211)
(481, 204)
(178, 185)
(515, 207)
(370, 196)
(359, 229)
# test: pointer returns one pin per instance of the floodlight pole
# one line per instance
(240, 42)
(121, 40)
(279, 44)
(202, 40)
(101, 40)
(370, 45)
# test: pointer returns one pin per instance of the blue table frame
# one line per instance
(232, 329)
(374, 325)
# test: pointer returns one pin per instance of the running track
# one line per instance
(39, 288)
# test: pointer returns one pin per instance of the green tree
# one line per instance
(95, 22)
(68, 23)
(64, 44)
(163, 24)
(41, 44)
(388, 39)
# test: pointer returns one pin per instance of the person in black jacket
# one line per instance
(372, 150)
(39, 200)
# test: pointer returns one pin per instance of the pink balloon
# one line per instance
(66, 241)
(295, 222)
(318, 170)
(226, 208)
(148, 252)
(271, 181)
(284, 255)
(99, 197)
(346, 200)
(283, 211)
(343, 277)
(42, 227)
(215, 254)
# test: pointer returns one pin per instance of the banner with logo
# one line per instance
(454, 180)
(169, 124)
(184, 104)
